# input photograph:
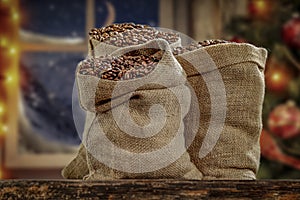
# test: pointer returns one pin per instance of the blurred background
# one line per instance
(41, 43)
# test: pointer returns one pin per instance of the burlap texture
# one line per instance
(77, 168)
(237, 152)
(161, 155)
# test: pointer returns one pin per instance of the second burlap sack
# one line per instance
(134, 128)
(228, 80)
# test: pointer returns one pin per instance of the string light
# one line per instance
(3, 42)
(261, 5)
(9, 79)
(12, 50)
(4, 128)
(276, 77)
(1, 109)
(5, 1)
(8, 43)
(15, 15)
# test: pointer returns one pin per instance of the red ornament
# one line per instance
(259, 8)
(270, 149)
(268, 145)
(284, 120)
(238, 39)
(277, 77)
(291, 32)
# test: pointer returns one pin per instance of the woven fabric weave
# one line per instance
(236, 154)
(157, 104)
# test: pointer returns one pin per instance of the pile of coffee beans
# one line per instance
(140, 36)
(212, 42)
(95, 66)
(104, 33)
(127, 34)
(181, 50)
(194, 46)
(137, 63)
(123, 67)
(134, 64)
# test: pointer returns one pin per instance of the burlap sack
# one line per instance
(97, 48)
(77, 168)
(147, 140)
(228, 150)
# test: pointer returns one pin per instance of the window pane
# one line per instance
(143, 12)
(46, 85)
(54, 17)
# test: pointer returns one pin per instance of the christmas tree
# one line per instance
(275, 25)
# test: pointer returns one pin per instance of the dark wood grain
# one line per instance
(148, 189)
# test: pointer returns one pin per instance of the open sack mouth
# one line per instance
(134, 64)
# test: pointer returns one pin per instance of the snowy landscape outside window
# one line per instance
(54, 37)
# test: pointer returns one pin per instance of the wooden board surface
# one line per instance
(148, 189)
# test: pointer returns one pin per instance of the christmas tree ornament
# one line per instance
(260, 8)
(238, 39)
(284, 120)
(291, 32)
(268, 146)
(271, 150)
(277, 77)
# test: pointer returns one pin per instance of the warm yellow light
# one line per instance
(12, 50)
(9, 78)
(1, 174)
(4, 128)
(5, 1)
(276, 77)
(261, 5)
(15, 15)
(3, 42)
(1, 109)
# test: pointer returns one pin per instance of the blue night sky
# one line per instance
(47, 96)
(67, 18)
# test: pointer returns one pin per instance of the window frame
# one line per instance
(13, 159)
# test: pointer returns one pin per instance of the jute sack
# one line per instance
(228, 80)
(134, 128)
(77, 168)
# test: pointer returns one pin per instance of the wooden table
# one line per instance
(149, 189)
